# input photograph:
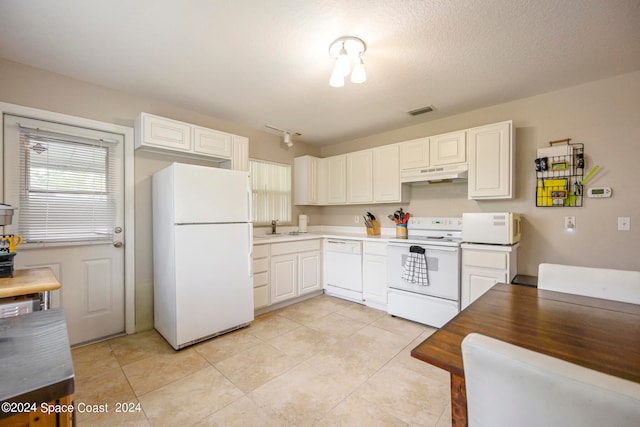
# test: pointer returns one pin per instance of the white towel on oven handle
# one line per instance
(416, 270)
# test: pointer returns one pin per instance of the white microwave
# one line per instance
(496, 228)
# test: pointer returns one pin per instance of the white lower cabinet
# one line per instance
(483, 266)
(294, 269)
(283, 270)
(260, 276)
(374, 274)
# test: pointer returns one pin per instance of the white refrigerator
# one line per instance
(202, 244)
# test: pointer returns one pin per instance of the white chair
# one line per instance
(511, 386)
(617, 285)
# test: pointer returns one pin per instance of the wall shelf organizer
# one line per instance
(559, 174)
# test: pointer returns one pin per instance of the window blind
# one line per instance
(271, 184)
(67, 188)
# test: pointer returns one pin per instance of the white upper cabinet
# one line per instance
(414, 154)
(491, 154)
(240, 153)
(448, 149)
(335, 171)
(360, 177)
(386, 174)
(171, 136)
(212, 142)
(306, 178)
(153, 131)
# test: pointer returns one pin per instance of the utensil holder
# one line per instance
(374, 230)
(401, 231)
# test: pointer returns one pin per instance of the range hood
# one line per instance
(450, 173)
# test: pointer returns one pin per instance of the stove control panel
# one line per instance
(435, 223)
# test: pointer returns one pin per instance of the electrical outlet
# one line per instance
(357, 219)
(624, 223)
(569, 222)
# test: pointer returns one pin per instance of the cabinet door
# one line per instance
(283, 273)
(165, 133)
(336, 178)
(305, 172)
(491, 161)
(386, 174)
(360, 177)
(414, 154)
(309, 265)
(240, 153)
(212, 142)
(448, 149)
(477, 281)
(374, 278)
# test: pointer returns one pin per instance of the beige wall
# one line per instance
(31, 87)
(603, 115)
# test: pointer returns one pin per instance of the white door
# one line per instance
(62, 170)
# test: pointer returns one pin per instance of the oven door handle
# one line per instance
(428, 247)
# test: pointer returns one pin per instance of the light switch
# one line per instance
(624, 223)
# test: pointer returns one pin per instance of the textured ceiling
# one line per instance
(266, 61)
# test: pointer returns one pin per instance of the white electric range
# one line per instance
(423, 271)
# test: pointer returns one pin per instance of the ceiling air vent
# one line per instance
(421, 110)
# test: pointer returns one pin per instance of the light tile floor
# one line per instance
(321, 362)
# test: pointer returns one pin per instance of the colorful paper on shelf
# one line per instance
(545, 187)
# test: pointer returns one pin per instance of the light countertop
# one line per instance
(349, 233)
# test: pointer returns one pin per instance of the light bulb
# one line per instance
(337, 78)
(342, 63)
(359, 75)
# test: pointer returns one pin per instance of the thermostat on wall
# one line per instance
(599, 192)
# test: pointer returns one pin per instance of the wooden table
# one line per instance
(599, 334)
(30, 281)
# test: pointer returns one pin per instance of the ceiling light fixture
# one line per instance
(287, 136)
(343, 49)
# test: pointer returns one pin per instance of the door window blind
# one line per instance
(271, 184)
(67, 188)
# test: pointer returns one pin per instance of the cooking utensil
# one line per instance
(405, 218)
(370, 215)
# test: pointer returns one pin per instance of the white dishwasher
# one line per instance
(343, 268)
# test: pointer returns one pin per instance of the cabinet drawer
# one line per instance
(485, 259)
(260, 251)
(260, 265)
(295, 247)
(260, 297)
(374, 248)
(260, 279)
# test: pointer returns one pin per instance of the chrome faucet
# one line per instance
(273, 226)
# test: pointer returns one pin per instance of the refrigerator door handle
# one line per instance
(249, 199)
(250, 263)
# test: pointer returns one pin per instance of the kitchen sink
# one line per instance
(270, 235)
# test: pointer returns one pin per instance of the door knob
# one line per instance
(117, 244)
(118, 230)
